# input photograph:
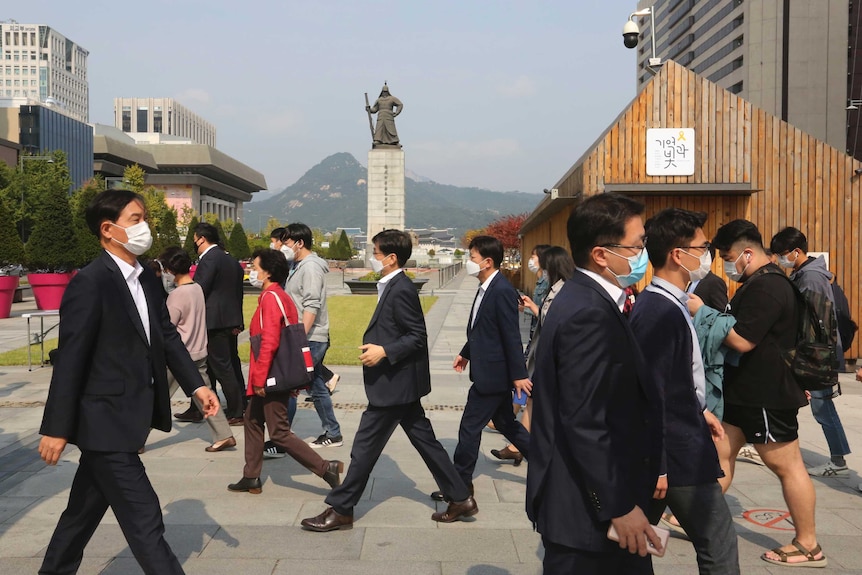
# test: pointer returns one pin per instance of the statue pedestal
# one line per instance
(385, 192)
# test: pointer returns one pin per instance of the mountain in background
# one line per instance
(333, 194)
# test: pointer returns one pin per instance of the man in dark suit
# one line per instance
(110, 385)
(220, 276)
(597, 421)
(663, 328)
(397, 374)
(496, 357)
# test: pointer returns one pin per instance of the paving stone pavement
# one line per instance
(213, 531)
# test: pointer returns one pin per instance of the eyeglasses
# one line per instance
(638, 248)
(704, 246)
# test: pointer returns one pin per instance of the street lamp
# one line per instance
(21, 160)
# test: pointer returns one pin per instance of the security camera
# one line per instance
(630, 34)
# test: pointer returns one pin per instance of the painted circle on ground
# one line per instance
(772, 518)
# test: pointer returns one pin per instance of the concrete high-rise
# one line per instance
(162, 116)
(42, 65)
(796, 60)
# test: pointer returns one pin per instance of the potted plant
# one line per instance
(367, 284)
(11, 256)
(52, 248)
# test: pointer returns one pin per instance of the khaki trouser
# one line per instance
(217, 423)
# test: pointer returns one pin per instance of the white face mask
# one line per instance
(376, 265)
(253, 280)
(730, 268)
(533, 265)
(140, 238)
(472, 268)
(705, 265)
(786, 262)
(288, 252)
(169, 281)
(272, 245)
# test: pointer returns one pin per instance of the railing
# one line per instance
(447, 274)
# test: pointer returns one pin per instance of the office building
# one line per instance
(795, 60)
(41, 64)
(162, 116)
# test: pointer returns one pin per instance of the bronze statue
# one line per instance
(386, 107)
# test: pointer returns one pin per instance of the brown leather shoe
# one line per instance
(234, 421)
(508, 453)
(329, 520)
(246, 484)
(333, 472)
(440, 496)
(221, 445)
(456, 510)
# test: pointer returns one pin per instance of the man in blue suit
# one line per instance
(664, 330)
(597, 421)
(496, 357)
(397, 375)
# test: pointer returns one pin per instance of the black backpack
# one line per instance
(847, 328)
(813, 361)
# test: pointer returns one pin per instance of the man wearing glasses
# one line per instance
(663, 328)
(597, 418)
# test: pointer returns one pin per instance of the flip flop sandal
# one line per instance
(801, 551)
(677, 530)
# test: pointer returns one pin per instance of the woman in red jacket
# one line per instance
(270, 269)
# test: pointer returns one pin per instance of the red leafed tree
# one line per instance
(507, 230)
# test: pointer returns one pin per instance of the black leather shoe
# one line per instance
(191, 415)
(246, 484)
(507, 453)
(457, 510)
(329, 520)
(440, 496)
(332, 475)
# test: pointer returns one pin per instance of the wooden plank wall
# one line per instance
(795, 179)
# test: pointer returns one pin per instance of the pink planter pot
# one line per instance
(8, 285)
(48, 289)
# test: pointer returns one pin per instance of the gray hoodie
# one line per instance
(306, 285)
(813, 276)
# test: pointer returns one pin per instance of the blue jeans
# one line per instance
(826, 415)
(319, 392)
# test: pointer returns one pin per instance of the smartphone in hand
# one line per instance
(663, 535)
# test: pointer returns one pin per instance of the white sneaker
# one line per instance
(828, 469)
(330, 385)
(749, 454)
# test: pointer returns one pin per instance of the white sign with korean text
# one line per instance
(670, 152)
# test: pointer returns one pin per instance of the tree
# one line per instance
(238, 243)
(11, 248)
(89, 246)
(271, 224)
(165, 234)
(341, 249)
(507, 230)
(222, 236)
(189, 244)
(33, 182)
(470, 234)
(52, 247)
(161, 217)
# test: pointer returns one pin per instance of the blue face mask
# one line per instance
(637, 268)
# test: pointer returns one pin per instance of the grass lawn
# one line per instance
(348, 318)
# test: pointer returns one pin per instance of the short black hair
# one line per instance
(298, 232)
(669, 229)
(787, 240)
(597, 221)
(737, 231)
(108, 205)
(394, 242)
(540, 249)
(208, 232)
(276, 233)
(488, 247)
(273, 263)
(176, 260)
(558, 264)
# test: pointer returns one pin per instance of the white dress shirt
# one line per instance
(132, 274)
(618, 294)
(381, 283)
(478, 301)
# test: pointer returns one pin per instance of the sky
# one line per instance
(502, 95)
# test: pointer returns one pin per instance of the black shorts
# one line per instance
(762, 425)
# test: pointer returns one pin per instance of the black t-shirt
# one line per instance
(766, 312)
